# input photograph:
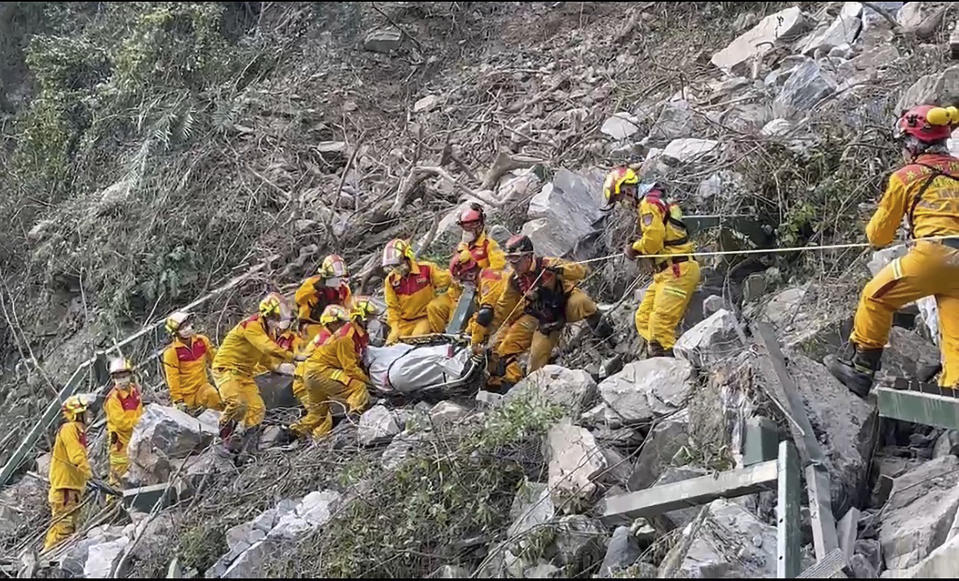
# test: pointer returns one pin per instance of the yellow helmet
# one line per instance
(364, 308)
(272, 306)
(120, 365)
(177, 320)
(396, 250)
(333, 314)
(333, 267)
(74, 406)
(615, 180)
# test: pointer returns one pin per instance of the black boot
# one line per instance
(858, 373)
(600, 327)
(656, 350)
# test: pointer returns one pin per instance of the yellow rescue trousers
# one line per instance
(119, 461)
(241, 398)
(64, 514)
(412, 328)
(930, 268)
(316, 391)
(206, 397)
(439, 311)
(524, 334)
(666, 301)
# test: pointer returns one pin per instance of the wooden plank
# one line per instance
(833, 566)
(846, 530)
(922, 408)
(692, 492)
(789, 533)
(825, 539)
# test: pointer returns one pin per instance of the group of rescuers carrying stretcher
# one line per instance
(531, 301)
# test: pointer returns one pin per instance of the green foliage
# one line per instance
(201, 546)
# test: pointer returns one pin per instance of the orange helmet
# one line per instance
(927, 123)
(395, 251)
(615, 180)
(462, 262)
(333, 267)
(471, 215)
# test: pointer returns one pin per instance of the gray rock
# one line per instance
(745, 20)
(621, 552)
(805, 87)
(162, 434)
(947, 444)
(619, 468)
(781, 26)
(747, 117)
(445, 414)
(564, 212)
(252, 562)
(500, 233)
(400, 449)
(677, 519)
(378, 425)
(689, 149)
(103, 557)
(711, 340)
(532, 508)
(645, 390)
(450, 572)
(331, 147)
(754, 287)
(732, 543)
(620, 126)
(869, 61)
(804, 319)
(675, 120)
(579, 542)
(642, 570)
(871, 551)
(919, 513)
(776, 128)
(861, 568)
(543, 571)
(666, 438)
(842, 30)
(569, 388)
(383, 41)
(427, 103)
(488, 399)
(932, 88)
(575, 460)
(940, 564)
(713, 304)
(907, 353)
(725, 186)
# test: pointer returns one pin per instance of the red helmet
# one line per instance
(927, 123)
(473, 213)
(461, 263)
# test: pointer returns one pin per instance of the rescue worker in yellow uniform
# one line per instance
(185, 363)
(123, 408)
(333, 317)
(330, 286)
(926, 192)
(334, 371)
(69, 472)
(674, 279)
(244, 347)
(412, 289)
(489, 284)
(539, 298)
(485, 251)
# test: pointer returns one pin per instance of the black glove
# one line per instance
(484, 316)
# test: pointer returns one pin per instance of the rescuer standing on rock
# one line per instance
(69, 471)
(185, 363)
(674, 279)
(412, 289)
(233, 368)
(330, 286)
(123, 409)
(542, 292)
(926, 192)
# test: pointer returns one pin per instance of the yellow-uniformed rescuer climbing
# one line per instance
(412, 288)
(244, 347)
(330, 286)
(123, 408)
(926, 192)
(185, 363)
(489, 284)
(69, 471)
(674, 279)
(332, 319)
(540, 297)
(334, 371)
(484, 251)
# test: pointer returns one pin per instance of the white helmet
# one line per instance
(176, 320)
(120, 365)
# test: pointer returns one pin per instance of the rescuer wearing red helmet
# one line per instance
(663, 232)
(926, 192)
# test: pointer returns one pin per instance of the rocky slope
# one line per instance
(337, 128)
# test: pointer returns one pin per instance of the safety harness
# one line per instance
(934, 173)
(654, 195)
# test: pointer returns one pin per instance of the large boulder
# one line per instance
(378, 425)
(842, 30)
(920, 512)
(575, 460)
(573, 389)
(532, 507)
(804, 317)
(621, 552)
(731, 544)
(783, 26)
(578, 542)
(808, 84)
(384, 40)
(931, 88)
(620, 126)
(564, 212)
(667, 437)
(713, 339)
(645, 390)
(674, 121)
(906, 355)
(940, 564)
(690, 149)
(164, 434)
(679, 518)
(103, 557)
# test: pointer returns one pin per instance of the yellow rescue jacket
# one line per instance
(491, 284)
(289, 340)
(123, 410)
(928, 200)
(246, 345)
(69, 464)
(407, 296)
(663, 231)
(311, 299)
(485, 251)
(559, 278)
(185, 363)
(340, 355)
